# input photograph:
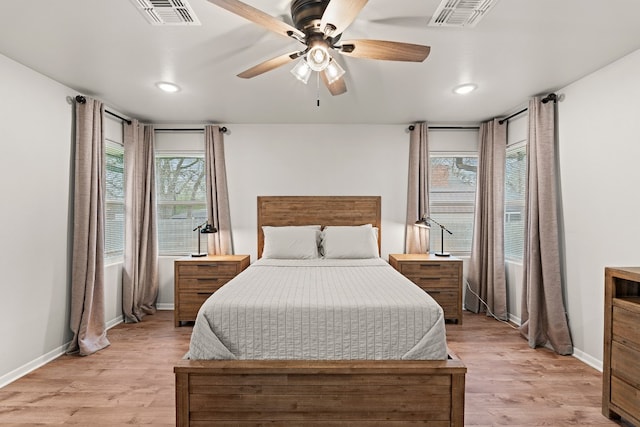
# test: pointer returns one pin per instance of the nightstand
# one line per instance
(197, 278)
(440, 277)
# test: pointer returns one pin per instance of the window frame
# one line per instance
(187, 245)
(509, 256)
(114, 256)
(435, 231)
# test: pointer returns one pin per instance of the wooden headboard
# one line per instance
(318, 210)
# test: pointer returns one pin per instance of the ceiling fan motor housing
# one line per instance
(306, 14)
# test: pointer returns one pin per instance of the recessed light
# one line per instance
(168, 87)
(465, 88)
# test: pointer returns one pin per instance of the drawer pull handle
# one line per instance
(429, 265)
(430, 278)
(204, 293)
(204, 279)
(206, 265)
(433, 292)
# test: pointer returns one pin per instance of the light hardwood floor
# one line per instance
(131, 382)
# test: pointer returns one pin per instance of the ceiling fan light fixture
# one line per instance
(333, 71)
(318, 57)
(302, 71)
(465, 88)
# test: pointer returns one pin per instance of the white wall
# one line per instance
(36, 136)
(599, 143)
(291, 160)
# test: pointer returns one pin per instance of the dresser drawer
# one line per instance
(189, 303)
(625, 327)
(209, 269)
(624, 363)
(624, 395)
(430, 270)
(210, 284)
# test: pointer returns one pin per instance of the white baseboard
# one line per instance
(165, 306)
(589, 360)
(578, 354)
(33, 365)
(45, 358)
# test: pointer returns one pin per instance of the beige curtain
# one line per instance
(87, 277)
(140, 272)
(417, 238)
(220, 243)
(544, 318)
(486, 267)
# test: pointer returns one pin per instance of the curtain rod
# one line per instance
(551, 97)
(501, 121)
(82, 100)
(223, 129)
(412, 127)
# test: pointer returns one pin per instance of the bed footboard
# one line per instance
(218, 392)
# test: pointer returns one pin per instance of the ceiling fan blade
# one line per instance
(259, 17)
(336, 88)
(339, 14)
(385, 50)
(269, 65)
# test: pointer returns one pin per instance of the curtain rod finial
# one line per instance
(81, 99)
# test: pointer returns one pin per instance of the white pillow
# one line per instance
(291, 242)
(354, 242)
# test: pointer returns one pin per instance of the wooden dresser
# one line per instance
(196, 278)
(440, 277)
(621, 366)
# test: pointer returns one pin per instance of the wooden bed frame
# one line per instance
(328, 393)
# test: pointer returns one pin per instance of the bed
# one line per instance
(253, 386)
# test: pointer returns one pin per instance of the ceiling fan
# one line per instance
(319, 25)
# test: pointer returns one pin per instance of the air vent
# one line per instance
(167, 12)
(461, 13)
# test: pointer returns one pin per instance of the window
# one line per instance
(515, 190)
(181, 198)
(452, 196)
(114, 202)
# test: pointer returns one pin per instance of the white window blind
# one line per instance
(181, 198)
(452, 199)
(515, 188)
(114, 202)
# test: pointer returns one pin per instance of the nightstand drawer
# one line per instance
(426, 270)
(438, 276)
(210, 269)
(210, 284)
(448, 300)
(435, 282)
(195, 279)
(189, 303)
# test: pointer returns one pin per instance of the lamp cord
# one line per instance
(487, 306)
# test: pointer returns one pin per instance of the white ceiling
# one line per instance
(106, 49)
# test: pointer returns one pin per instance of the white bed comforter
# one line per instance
(319, 310)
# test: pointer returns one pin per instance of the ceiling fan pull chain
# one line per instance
(318, 89)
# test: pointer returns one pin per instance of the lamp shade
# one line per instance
(302, 71)
(333, 71)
